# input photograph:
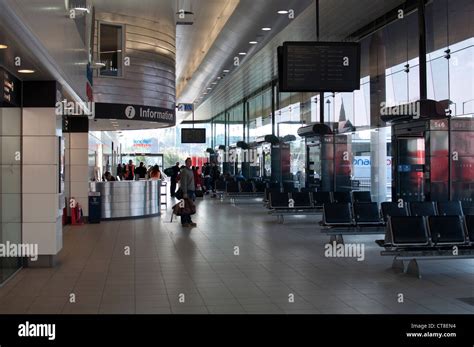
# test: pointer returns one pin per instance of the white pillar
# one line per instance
(378, 159)
(42, 200)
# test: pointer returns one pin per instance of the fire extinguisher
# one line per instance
(76, 212)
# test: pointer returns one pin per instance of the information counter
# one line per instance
(128, 199)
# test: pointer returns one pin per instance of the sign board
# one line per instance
(193, 136)
(185, 107)
(135, 112)
(11, 89)
(319, 67)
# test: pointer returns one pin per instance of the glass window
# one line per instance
(110, 50)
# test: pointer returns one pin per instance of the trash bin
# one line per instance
(95, 208)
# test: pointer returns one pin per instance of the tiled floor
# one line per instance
(277, 269)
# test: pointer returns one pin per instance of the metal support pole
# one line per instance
(321, 94)
(422, 49)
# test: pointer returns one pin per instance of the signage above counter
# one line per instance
(11, 89)
(135, 113)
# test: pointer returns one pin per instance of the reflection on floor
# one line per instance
(275, 269)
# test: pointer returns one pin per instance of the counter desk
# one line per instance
(128, 199)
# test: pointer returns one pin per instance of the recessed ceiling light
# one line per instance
(266, 29)
(283, 12)
(209, 88)
(253, 42)
(219, 78)
(242, 53)
(3, 46)
(82, 9)
(26, 71)
(214, 83)
(226, 71)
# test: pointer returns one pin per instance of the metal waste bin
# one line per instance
(95, 208)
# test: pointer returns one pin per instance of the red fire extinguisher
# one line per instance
(76, 212)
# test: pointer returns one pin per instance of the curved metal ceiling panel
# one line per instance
(150, 78)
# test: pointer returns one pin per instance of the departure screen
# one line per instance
(319, 67)
(193, 135)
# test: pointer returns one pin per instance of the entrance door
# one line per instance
(410, 169)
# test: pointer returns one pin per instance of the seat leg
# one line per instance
(398, 266)
(339, 239)
(413, 269)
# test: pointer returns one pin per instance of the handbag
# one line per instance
(188, 209)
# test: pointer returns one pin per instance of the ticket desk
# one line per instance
(128, 199)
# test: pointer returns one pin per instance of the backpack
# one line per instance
(168, 171)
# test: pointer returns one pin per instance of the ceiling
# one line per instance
(245, 25)
(121, 124)
(28, 60)
(194, 41)
(339, 19)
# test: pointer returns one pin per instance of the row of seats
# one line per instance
(368, 212)
(432, 231)
(312, 199)
(242, 187)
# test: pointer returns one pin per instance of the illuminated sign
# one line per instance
(10, 94)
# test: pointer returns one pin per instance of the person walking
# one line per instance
(187, 186)
(174, 179)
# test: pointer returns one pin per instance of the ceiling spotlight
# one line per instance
(82, 9)
(283, 12)
(266, 29)
(253, 42)
(242, 53)
(219, 78)
(3, 46)
(26, 71)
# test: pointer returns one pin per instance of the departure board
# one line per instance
(193, 135)
(319, 66)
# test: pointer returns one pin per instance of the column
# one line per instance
(76, 141)
(42, 199)
(378, 159)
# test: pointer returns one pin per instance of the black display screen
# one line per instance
(319, 67)
(193, 135)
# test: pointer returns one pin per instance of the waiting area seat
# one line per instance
(449, 208)
(394, 209)
(361, 218)
(425, 208)
(431, 237)
(361, 196)
(283, 204)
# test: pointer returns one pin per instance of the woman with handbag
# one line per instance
(188, 188)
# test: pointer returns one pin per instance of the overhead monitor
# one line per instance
(319, 66)
(193, 136)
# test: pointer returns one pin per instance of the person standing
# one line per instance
(120, 171)
(187, 185)
(174, 179)
(140, 171)
(130, 171)
(155, 173)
